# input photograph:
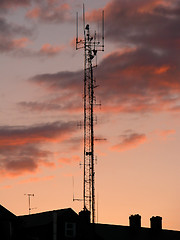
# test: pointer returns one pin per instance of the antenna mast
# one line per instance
(91, 46)
(29, 201)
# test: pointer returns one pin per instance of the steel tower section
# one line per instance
(91, 46)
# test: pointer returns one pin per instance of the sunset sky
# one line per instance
(41, 89)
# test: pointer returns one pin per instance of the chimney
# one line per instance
(84, 216)
(156, 223)
(135, 221)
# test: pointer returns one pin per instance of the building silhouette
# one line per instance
(67, 224)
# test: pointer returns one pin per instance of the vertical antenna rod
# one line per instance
(77, 38)
(91, 46)
(29, 201)
(103, 30)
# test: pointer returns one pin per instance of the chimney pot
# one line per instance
(156, 223)
(135, 221)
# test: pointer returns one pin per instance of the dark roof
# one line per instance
(6, 214)
(114, 232)
(44, 218)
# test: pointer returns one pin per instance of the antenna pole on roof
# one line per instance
(29, 195)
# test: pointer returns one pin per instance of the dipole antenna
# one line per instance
(91, 46)
(29, 195)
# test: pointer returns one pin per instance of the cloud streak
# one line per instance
(132, 80)
(10, 29)
(18, 47)
(21, 147)
(15, 3)
(24, 159)
(51, 12)
(129, 141)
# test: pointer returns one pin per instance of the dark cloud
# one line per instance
(8, 4)
(139, 77)
(143, 75)
(150, 23)
(19, 160)
(8, 29)
(21, 147)
(69, 87)
(71, 105)
(61, 80)
(50, 132)
(46, 11)
(131, 80)
(13, 37)
(14, 3)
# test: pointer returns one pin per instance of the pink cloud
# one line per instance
(129, 141)
(69, 160)
(7, 187)
(13, 45)
(48, 49)
(14, 3)
(34, 13)
(37, 179)
(150, 6)
(51, 12)
(20, 43)
(164, 134)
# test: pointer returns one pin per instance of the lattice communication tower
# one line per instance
(91, 45)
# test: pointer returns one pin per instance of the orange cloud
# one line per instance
(165, 133)
(139, 70)
(148, 7)
(69, 160)
(34, 13)
(51, 12)
(36, 179)
(94, 15)
(129, 141)
(162, 69)
(20, 43)
(63, 7)
(7, 187)
(72, 43)
(48, 49)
